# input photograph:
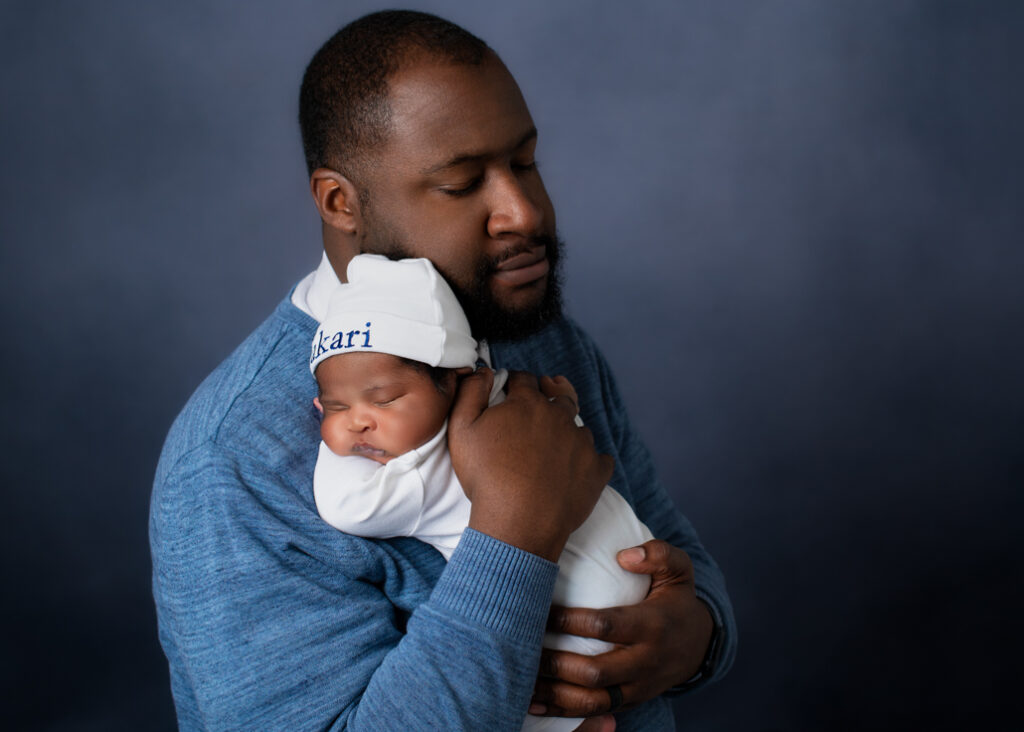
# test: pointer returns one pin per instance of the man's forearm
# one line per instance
(273, 620)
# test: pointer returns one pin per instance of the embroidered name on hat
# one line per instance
(338, 341)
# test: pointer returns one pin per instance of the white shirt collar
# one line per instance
(313, 293)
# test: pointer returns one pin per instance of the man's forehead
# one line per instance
(440, 109)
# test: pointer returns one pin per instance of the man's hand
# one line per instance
(532, 475)
(559, 386)
(660, 642)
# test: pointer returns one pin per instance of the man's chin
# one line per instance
(522, 299)
(500, 310)
(508, 316)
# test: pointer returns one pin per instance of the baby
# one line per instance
(383, 469)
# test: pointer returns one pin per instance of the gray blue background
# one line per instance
(795, 227)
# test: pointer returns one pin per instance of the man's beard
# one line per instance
(488, 318)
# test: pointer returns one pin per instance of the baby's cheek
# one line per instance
(328, 430)
(419, 433)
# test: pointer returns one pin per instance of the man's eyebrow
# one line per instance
(464, 158)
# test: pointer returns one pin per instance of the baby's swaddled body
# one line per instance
(417, 494)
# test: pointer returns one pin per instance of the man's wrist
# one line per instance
(528, 535)
(498, 586)
(710, 661)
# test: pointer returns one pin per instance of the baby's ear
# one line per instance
(318, 405)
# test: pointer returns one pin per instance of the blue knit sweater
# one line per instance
(273, 620)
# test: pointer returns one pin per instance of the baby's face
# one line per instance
(376, 406)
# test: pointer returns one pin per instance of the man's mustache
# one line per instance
(541, 240)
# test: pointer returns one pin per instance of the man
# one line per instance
(419, 143)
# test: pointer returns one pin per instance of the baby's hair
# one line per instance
(437, 374)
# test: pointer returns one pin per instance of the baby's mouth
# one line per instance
(365, 448)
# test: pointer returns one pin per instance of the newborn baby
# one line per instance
(386, 360)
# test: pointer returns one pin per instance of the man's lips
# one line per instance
(522, 269)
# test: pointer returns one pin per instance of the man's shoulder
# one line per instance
(562, 347)
(255, 397)
(561, 341)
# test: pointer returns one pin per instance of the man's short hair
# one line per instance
(343, 102)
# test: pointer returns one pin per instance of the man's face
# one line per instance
(456, 182)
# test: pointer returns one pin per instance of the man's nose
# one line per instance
(514, 207)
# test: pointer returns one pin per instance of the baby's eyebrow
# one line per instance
(377, 387)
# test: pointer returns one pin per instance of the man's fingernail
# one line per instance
(633, 556)
(537, 709)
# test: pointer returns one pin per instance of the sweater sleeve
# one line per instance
(275, 621)
(656, 509)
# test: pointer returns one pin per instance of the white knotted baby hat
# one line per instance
(402, 307)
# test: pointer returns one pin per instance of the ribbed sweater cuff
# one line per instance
(712, 593)
(493, 583)
(708, 590)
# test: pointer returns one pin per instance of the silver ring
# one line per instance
(571, 401)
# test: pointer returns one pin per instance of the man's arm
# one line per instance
(274, 620)
(265, 632)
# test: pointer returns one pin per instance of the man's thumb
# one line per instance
(471, 397)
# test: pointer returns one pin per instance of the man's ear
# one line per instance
(336, 199)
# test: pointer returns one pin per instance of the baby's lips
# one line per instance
(365, 448)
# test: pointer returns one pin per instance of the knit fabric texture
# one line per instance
(273, 620)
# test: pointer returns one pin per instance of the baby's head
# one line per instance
(385, 358)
